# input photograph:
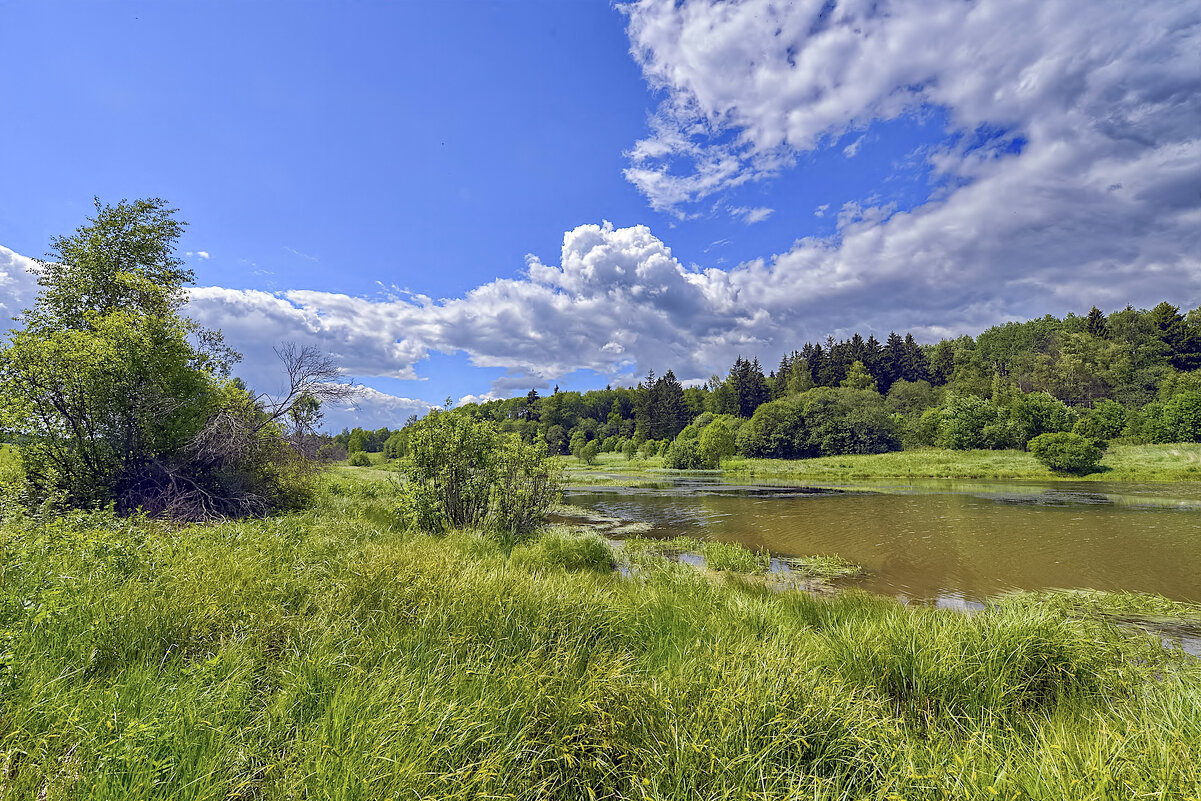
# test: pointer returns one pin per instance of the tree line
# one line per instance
(1132, 374)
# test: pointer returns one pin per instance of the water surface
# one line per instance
(949, 543)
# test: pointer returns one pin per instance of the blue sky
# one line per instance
(470, 199)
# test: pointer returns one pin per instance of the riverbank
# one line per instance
(332, 654)
(1177, 462)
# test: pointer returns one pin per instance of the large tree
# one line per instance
(116, 397)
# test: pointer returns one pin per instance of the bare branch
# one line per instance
(310, 373)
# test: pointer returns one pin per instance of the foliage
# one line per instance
(716, 442)
(967, 422)
(1039, 413)
(1130, 356)
(118, 398)
(1066, 452)
(845, 420)
(775, 431)
(1105, 421)
(359, 459)
(685, 454)
(464, 473)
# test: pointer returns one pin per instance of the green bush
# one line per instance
(1039, 413)
(1182, 417)
(967, 422)
(464, 473)
(685, 454)
(359, 459)
(1065, 452)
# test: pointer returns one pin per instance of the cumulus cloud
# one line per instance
(1072, 167)
(199, 254)
(372, 410)
(18, 284)
(1071, 177)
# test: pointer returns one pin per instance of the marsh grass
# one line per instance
(823, 566)
(331, 654)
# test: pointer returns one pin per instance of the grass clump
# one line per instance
(337, 653)
(823, 566)
(721, 556)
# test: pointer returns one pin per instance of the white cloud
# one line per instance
(852, 149)
(18, 284)
(747, 85)
(1101, 205)
(750, 216)
(200, 254)
(373, 409)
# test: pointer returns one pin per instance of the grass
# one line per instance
(331, 654)
(1177, 462)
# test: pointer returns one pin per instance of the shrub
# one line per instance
(359, 459)
(1182, 417)
(1065, 452)
(464, 473)
(685, 454)
(966, 422)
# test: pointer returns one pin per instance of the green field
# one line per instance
(1177, 462)
(330, 654)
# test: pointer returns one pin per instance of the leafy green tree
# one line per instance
(578, 440)
(775, 431)
(1039, 413)
(396, 445)
(1182, 417)
(685, 454)
(589, 451)
(716, 442)
(1105, 421)
(119, 398)
(967, 422)
(859, 378)
(847, 421)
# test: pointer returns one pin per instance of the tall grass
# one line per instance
(333, 655)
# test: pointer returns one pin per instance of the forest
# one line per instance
(1131, 375)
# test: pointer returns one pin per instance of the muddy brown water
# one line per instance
(947, 543)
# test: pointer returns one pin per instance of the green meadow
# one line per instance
(333, 654)
(1173, 462)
